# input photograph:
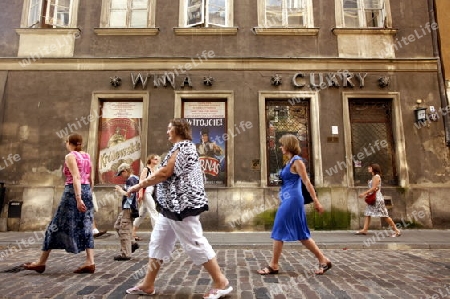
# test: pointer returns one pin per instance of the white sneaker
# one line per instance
(95, 231)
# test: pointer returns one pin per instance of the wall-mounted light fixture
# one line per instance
(420, 113)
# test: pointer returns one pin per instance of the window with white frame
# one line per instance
(128, 13)
(364, 13)
(206, 13)
(49, 13)
(287, 13)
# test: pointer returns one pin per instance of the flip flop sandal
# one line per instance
(271, 271)
(397, 234)
(137, 238)
(324, 268)
(216, 293)
(360, 233)
(137, 291)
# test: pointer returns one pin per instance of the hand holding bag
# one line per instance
(371, 198)
(306, 196)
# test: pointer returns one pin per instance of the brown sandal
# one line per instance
(267, 270)
(37, 268)
(324, 268)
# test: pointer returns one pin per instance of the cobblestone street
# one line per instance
(356, 273)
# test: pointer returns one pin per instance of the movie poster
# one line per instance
(208, 124)
(119, 140)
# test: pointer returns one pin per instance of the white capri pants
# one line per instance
(147, 208)
(190, 234)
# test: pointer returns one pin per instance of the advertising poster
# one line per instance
(119, 140)
(208, 124)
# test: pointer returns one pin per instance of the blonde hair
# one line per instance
(150, 157)
(291, 144)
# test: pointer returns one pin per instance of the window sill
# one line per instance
(126, 31)
(205, 31)
(367, 31)
(48, 31)
(285, 31)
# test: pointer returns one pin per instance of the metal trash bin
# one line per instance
(15, 209)
(2, 195)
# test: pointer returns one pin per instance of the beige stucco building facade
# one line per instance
(347, 87)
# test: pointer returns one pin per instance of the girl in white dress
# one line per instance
(146, 200)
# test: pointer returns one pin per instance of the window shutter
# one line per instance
(34, 15)
(58, 13)
(195, 12)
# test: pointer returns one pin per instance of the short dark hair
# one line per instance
(182, 128)
(76, 140)
(375, 168)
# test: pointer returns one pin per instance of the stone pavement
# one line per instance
(415, 265)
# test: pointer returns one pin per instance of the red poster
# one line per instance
(119, 140)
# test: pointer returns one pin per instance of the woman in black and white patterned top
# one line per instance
(181, 198)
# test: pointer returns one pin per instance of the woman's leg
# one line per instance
(137, 222)
(43, 258)
(89, 257)
(220, 281)
(366, 225)
(277, 250)
(324, 263)
(40, 263)
(312, 246)
(152, 211)
(161, 246)
(190, 234)
(392, 224)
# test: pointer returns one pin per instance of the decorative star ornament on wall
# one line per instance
(276, 80)
(208, 81)
(116, 81)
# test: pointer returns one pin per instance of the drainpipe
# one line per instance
(436, 53)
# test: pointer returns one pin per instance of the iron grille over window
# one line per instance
(283, 118)
(372, 139)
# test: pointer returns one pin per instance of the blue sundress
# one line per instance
(290, 221)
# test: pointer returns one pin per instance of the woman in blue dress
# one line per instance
(290, 220)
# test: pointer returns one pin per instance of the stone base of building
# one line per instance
(246, 208)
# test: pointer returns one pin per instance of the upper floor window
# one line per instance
(364, 13)
(287, 13)
(49, 13)
(206, 13)
(129, 14)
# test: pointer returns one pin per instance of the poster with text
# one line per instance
(208, 124)
(119, 140)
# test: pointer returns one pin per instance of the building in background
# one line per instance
(345, 78)
(443, 19)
